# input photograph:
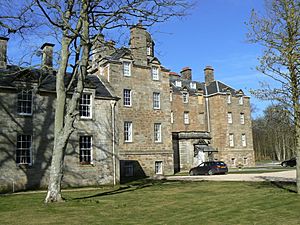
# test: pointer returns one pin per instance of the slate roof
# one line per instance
(215, 87)
(47, 82)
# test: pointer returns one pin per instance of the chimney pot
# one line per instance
(3, 52)
(47, 56)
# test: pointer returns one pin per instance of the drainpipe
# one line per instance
(113, 104)
(207, 110)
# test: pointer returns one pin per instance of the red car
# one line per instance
(209, 168)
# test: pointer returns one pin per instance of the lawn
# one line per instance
(161, 202)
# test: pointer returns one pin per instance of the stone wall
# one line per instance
(40, 126)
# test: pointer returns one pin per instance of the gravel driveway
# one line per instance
(286, 176)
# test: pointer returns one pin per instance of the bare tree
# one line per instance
(278, 31)
(77, 23)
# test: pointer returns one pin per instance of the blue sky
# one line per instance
(213, 34)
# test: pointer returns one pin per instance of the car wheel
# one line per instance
(210, 172)
(192, 173)
(284, 164)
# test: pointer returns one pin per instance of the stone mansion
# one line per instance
(136, 118)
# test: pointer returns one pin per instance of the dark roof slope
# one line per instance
(47, 82)
(215, 87)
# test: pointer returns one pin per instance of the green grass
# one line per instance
(161, 203)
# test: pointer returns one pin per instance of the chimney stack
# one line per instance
(47, 56)
(3, 52)
(138, 44)
(209, 75)
(186, 73)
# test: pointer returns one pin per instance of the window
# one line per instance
(85, 149)
(25, 102)
(228, 99)
(128, 169)
(155, 75)
(128, 131)
(244, 143)
(148, 50)
(23, 151)
(157, 132)
(156, 100)
(186, 118)
(245, 161)
(172, 117)
(126, 69)
(178, 83)
(185, 97)
(229, 117)
(127, 97)
(231, 141)
(233, 161)
(158, 167)
(193, 85)
(85, 105)
(242, 118)
(241, 100)
(171, 96)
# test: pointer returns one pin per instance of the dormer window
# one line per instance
(193, 85)
(155, 74)
(126, 69)
(178, 83)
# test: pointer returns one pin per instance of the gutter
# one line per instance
(113, 104)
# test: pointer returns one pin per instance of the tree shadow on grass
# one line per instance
(283, 185)
(122, 189)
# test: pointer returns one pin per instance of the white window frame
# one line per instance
(241, 100)
(85, 106)
(127, 99)
(244, 140)
(24, 149)
(231, 140)
(186, 118)
(193, 85)
(229, 117)
(178, 83)
(155, 73)
(128, 131)
(25, 102)
(185, 97)
(158, 167)
(172, 117)
(156, 100)
(85, 147)
(242, 118)
(149, 51)
(171, 96)
(157, 133)
(126, 68)
(229, 99)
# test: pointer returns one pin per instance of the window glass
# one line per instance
(127, 97)
(85, 149)
(23, 151)
(25, 102)
(85, 105)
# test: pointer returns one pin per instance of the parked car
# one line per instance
(291, 162)
(209, 168)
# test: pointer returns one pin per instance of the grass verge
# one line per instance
(161, 202)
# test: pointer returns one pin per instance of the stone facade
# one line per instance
(163, 122)
(26, 135)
